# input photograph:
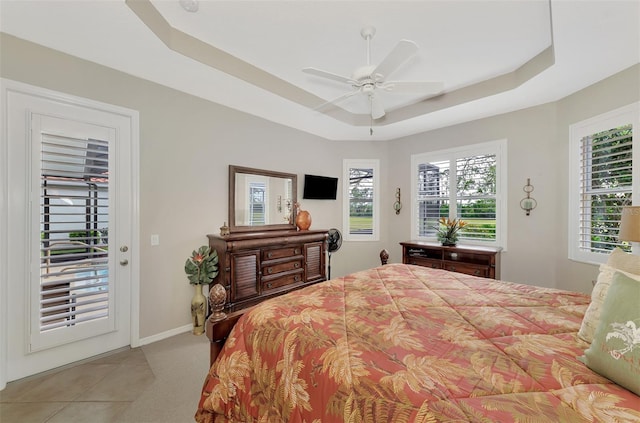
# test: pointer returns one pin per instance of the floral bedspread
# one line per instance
(401, 343)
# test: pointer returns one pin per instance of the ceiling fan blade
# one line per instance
(400, 54)
(337, 100)
(377, 109)
(410, 87)
(329, 75)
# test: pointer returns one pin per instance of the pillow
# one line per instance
(620, 260)
(615, 350)
(592, 315)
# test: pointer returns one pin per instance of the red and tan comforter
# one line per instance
(402, 343)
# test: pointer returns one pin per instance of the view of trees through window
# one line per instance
(606, 186)
(471, 183)
(360, 201)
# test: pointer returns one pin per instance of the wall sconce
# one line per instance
(397, 205)
(528, 203)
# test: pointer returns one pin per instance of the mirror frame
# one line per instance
(233, 170)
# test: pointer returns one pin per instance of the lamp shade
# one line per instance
(630, 224)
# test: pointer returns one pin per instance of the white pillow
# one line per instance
(626, 262)
(592, 315)
(618, 261)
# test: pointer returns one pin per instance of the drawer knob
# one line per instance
(269, 285)
(477, 272)
(269, 255)
(297, 251)
(296, 265)
(269, 270)
(297, 278)
(453, 268)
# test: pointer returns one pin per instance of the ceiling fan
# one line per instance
(368, 79)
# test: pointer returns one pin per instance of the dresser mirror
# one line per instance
(261, 200)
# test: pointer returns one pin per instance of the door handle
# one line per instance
(124, 262)
(124, 249)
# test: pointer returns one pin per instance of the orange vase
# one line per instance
(303, 219)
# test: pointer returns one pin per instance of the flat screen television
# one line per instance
(320, 187)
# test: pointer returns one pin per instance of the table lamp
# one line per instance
(630, 224)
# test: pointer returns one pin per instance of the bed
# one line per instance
(403, 343)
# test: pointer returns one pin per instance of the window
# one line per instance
(256, 204)
(361, 210)
(74, 196)
(462, 183)
(604, 165)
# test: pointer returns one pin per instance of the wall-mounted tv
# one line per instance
(320, 187)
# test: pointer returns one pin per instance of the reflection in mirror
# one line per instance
(261, 199)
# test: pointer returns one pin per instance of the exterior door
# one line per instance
(70, 231)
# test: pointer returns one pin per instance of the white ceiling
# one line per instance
(265, 44)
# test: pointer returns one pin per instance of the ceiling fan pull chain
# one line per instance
(371, 116)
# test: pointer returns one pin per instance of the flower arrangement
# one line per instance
(448, 230)
(202, 266)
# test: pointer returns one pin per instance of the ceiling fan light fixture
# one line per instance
(368, 78)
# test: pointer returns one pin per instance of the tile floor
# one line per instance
(107, 389)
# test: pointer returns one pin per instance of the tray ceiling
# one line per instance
(493, 56)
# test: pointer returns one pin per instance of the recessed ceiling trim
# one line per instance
(487, 88)
(205, 53)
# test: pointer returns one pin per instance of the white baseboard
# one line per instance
(164, 335)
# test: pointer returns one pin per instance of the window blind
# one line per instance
(606, 185)
(462, 188)
(74, 216)
(476, 196)
(361, 201)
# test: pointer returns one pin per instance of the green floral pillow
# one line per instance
(615, 350)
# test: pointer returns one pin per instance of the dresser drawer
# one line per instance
(277, 282)
(280, 267)
(425, 262)
(469, 269)
(277, 253)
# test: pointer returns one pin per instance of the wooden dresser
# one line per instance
(259, 265)
(469, 259)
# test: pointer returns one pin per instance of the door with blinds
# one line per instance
(78, 282)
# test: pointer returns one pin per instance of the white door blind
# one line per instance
(605, 185)
(74, 277)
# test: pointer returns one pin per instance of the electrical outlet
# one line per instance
(155, 240)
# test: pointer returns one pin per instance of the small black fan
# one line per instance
(334, 242)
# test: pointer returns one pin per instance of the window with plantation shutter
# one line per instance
(361, 215)
(603, 174)
(257, 209)
(460, 184)
(74, 276)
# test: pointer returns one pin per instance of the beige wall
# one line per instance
(187, 143)
(537, 148)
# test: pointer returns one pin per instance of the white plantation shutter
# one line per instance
(433, 195)
(606, 183)
(462, 184)
(476, 196)
(361, 210)
(604, 176)
(74, 277)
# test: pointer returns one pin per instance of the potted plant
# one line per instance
(201, 268)
(448, 230)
